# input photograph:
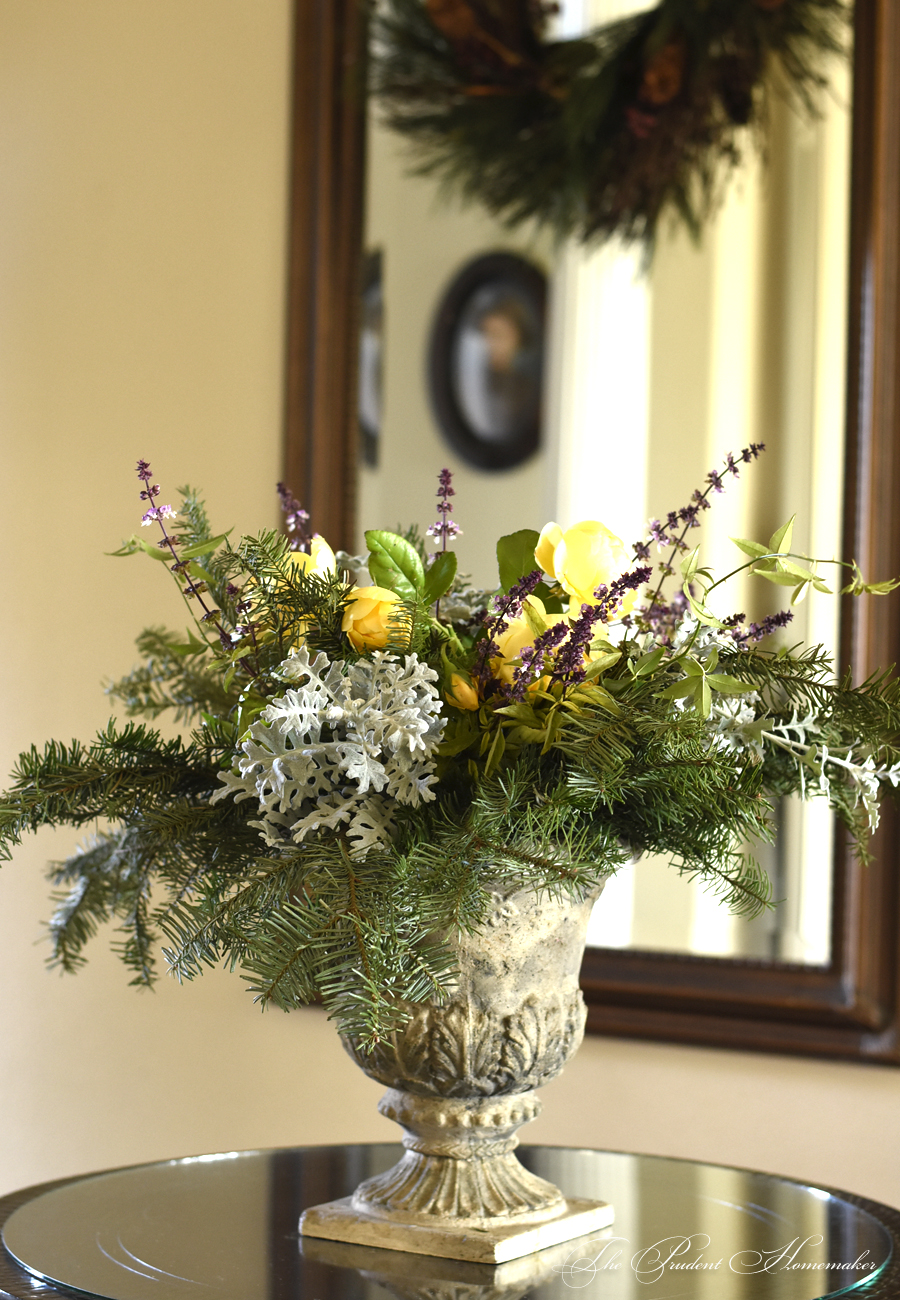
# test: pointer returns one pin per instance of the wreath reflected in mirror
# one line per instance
(606, 133)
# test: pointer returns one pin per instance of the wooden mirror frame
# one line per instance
(849, 1008)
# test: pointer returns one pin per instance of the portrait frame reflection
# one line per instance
(486, 360)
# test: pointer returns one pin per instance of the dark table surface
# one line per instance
(225, 1228)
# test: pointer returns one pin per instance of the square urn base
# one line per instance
(338, 1221)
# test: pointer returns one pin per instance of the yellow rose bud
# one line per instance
(462, 693)
(582, 558)
(367, 617)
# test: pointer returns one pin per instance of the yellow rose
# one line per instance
(462, 693)
(520, 633)
(319, 561)
(583, 558)
(367, 617)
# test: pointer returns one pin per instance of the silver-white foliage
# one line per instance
(463, 602)
(734, 723)
(343, 746)
(818, 763)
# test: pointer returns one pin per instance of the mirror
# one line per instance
(652, 377)
(623, 348)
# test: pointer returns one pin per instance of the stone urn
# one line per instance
(461, 1077)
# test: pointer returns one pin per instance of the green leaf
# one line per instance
(727, 685)
(495, 754)
(520, 712)
(780, 579)
(533, 618)
(439, 578)
(648, 664)
(704, 702)
(601, 659)
(155, 552)
(522, 735)
(554, 722)
(701, 613)
(462, 732)
(781, 538)
(129, 547)
(752, 549)
(197, 571)
(681, 690)
(515, 556)
(690, 564)
(202, 548)
(193, 646)
(857, 587)
(394, 564)
(798, 570)
(552, 603)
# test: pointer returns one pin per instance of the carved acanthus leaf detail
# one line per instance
(459, 1051)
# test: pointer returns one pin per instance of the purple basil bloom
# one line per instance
(667, 535)
(157, 513)
(444, 529)
(296, 519)
(495, 623)
(609, 598)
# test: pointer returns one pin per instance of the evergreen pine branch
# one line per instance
(117, 775)
(175, 676)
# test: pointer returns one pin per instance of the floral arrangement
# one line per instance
(604, 133)
(375, 746)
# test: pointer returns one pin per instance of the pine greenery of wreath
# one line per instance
(602, 134)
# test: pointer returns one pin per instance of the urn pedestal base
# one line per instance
(458, 1191)
(482, 1244)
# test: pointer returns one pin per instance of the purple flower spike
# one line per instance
(755, 632)
(537, 658)
(157, 514)
(444, 528)
(521, 590)
(296, 519)
(671, 533)
(609, 598)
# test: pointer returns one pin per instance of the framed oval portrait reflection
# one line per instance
(486, 361)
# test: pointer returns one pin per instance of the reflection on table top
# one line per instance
(224, 1227)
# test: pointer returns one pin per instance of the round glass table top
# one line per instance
(224, 1227)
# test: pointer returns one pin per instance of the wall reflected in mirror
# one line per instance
(650, 377)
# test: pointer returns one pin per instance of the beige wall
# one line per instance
(142, 151)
